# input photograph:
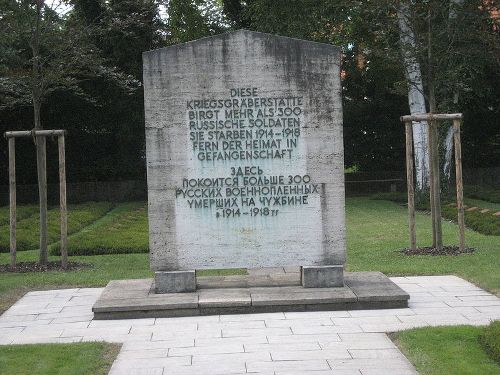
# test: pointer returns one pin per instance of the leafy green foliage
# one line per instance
(490, 340)
(194, 19)
(90, 59)
(446, 350)
(79, 216)
(122, 230)
(65, 55)
(58, 359)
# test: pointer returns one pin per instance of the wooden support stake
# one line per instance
(437, 186)
(62, 201)
(409, 182)
(42, 194)
(460, 187)
(12, 195)
(432, 192)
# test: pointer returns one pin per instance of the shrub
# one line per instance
(397, 197)
(483, 223)
(485, 194)
(22, 212)
(79, 216)
(490, 340)
(123, 230)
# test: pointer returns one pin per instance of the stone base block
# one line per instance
(127, 299)
(175, 281)
(322, 276)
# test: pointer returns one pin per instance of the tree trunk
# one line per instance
(416, 97)
(39, 141)
(42, 194)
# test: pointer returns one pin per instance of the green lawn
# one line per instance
(375, 230)
(446, 350)
(58, 359)
(104, 268)
(80, 216)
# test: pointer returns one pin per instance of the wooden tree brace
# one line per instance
(11, 136)
(33, 133)
(432, 119)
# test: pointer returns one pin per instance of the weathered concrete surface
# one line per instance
(256, 277)
(269, 68)
(136, 299)
(175, 281)
(322, 276)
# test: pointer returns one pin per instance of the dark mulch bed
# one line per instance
(35, 267)
(446, 250)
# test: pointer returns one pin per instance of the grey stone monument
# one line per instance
(244, 158)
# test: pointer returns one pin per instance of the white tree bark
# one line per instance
(448, 149)
(454, 7)
(416, 97)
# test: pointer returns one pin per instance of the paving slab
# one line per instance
(275, 343)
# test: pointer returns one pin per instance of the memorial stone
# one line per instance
(244, 158)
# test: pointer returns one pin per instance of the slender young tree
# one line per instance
(43, 53)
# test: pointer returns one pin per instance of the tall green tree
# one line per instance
(44, 54)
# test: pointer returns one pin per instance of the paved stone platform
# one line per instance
(315, 342)
(127, 299)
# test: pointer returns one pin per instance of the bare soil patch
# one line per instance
(36, 267)
(429, 250)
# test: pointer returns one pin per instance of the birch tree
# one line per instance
(445, 47)
(416, 98)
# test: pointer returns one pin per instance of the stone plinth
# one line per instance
(125, 299)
